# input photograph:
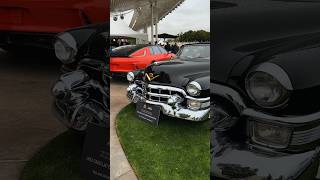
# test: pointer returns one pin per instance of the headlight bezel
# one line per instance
(268, 142)
(193, 85)
(276, 76)
(67, 43)
(130, 77)
(194, 108)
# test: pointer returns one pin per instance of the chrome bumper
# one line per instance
(134, 94)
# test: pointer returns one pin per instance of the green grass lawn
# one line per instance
(175, 150)
(58, 160)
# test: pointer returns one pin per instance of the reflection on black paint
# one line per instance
(280, 39)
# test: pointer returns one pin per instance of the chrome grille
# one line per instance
(306, 136)
(159, 93)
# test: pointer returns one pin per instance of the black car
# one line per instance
(179, 88)
(81, 95)
(265, 89)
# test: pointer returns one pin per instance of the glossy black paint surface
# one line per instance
(252, 32)
(180, 72)
(247, 34)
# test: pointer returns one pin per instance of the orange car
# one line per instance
(133, 57)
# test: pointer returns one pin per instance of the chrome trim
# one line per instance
(197, 85)
(306, 136)
(136, 93)
(191, 115)
(290, 120)
(277, 72)
(178, 90)
(68, 39)
(130, 74)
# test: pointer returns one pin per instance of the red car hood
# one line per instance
(51, 16)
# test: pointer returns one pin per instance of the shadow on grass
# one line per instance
(176, 149)
(58, 160)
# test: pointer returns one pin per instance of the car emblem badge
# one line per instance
(151, 77)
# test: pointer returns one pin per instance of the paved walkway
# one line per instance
(26, 121)
(120, 168)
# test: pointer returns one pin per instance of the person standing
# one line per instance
(175, 48)
(168, 47)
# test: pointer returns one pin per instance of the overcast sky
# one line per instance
(190, 15)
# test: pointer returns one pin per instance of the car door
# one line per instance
(141, 58)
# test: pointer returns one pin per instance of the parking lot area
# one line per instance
(26, 121)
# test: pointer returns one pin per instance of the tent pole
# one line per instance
(152, 23)
(157, 20)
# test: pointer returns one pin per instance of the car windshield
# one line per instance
(195, 52)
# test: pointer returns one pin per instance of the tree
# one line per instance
(194, 36)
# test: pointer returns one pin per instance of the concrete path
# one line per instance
(26, 121)
(120, 168)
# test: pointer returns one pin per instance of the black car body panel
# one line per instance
(248, 37)
(179, 73)
(273, 30)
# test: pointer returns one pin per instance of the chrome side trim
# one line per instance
(293, 120)
(306, 136)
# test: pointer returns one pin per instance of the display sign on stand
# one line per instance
(95, 156)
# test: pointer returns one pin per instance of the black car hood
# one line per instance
(251, 32)
(179, 73)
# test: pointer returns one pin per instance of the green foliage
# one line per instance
(194, 36)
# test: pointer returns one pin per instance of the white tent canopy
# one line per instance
(120, 29)
(142, 10)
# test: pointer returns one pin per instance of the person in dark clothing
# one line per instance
(168, 47)
(175, 48)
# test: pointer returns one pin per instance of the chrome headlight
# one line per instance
(65, 48)
(59, 90)
(194, 88)
(271, 135)
(265, 90)
(194, 105)
(130, 76)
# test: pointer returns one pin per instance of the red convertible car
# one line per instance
(133, 57)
